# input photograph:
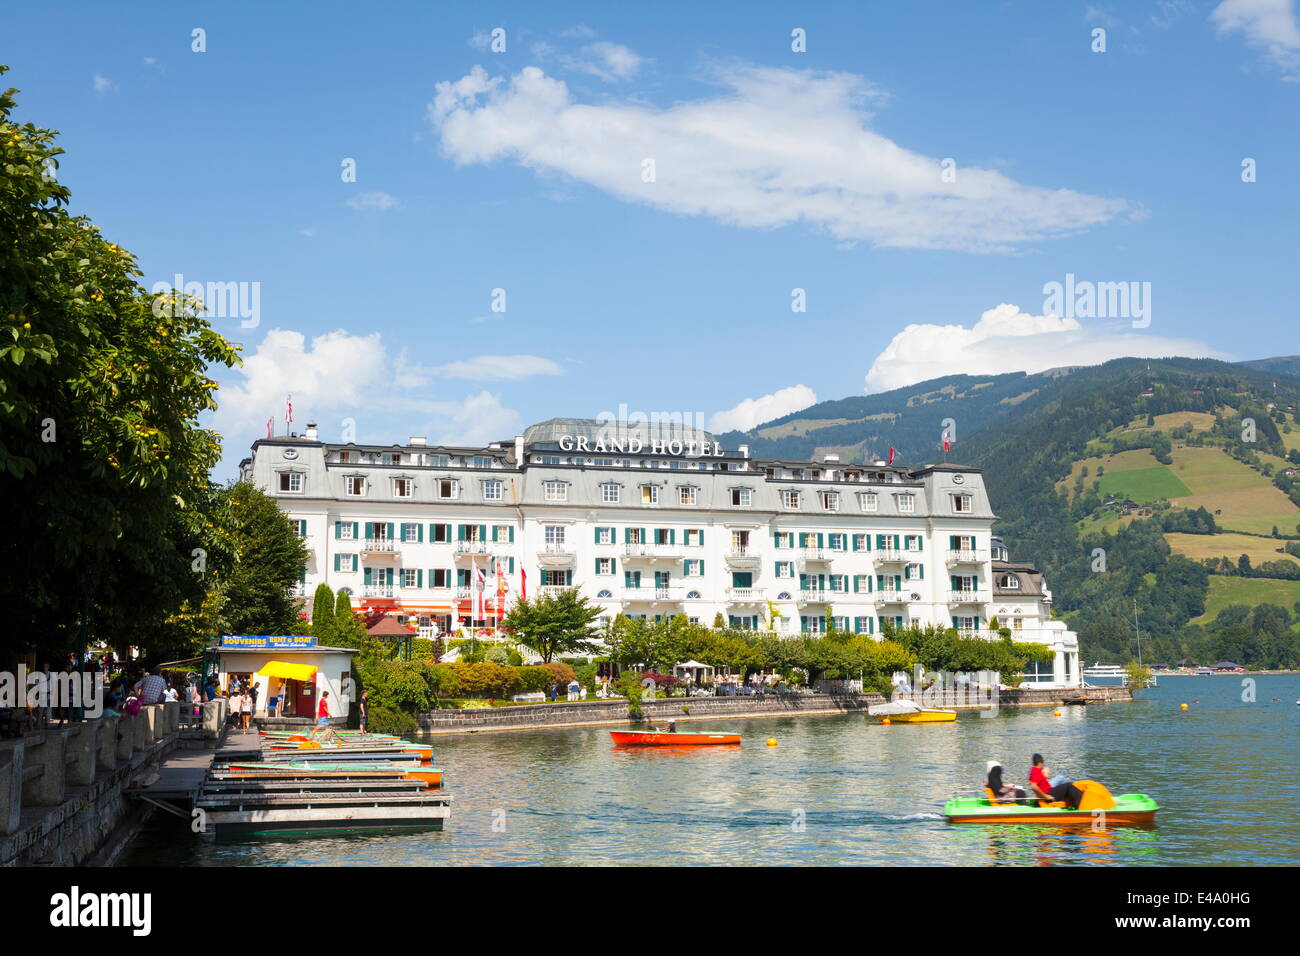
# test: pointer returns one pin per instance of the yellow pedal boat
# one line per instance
(908, 712)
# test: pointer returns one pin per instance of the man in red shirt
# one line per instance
(323, 711)
(1042, 788)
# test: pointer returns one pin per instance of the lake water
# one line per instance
(842, 789)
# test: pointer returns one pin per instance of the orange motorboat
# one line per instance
(637, 738)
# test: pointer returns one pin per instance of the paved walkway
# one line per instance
(182, 773)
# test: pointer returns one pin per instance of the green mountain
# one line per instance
(1173, 468)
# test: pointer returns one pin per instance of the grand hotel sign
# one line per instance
(676, 447)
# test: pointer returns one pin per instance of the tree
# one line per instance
(554, 624)
(269, 561)
(322, 614)
(103, 465)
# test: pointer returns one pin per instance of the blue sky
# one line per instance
(774, 170)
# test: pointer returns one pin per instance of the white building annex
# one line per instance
(652, 521)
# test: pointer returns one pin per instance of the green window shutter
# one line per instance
(672, 533)
(370, 529)
(482, 532)
(856, 543)
(368, 573)
(338, 530)
(419, 578)
(821, 539)
(337, 560)
(512, 534)
(627, 535)
(460, 532)
(597, 560)
(856, 584)
(390, 530)
(953, 583)
(419, 533)
(356, 529)
(921, 569)
(512, 565)
(701, 541)
(596, 535)
(952, 542)
(568, 577)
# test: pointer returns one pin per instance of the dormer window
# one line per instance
(291, 482)
(482, 461)
(742, 497)
(611, 493)
(649, 494)
(448, 488)
(556, 490)
(492, 490)
(687, 494)
(403, 487)
(830, 500)
(790, 498)
(1009, 582)
(906, 504)
(869, 500)
(963, 504)
(355, 486)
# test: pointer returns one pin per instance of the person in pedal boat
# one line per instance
(669, 728)
(1003, 792)
(1063, 792)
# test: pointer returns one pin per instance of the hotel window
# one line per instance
(411, 578)
(861, 584)
(693, 568)
(830, 500)
(402, 487)
(345, 530)
(611, 493)
(740, 541)
(966, 623)
(437, 461)
(783, 539)
(355, 486)
(862, 625)
(556, 491)
(482, 461)
(742, 497)
(907, 504)
(790, 499)
(291, 481)
(502, 533)
(388, 458)
(448, 488)
(963, 504)
(604, 535)
(554, 534)
(914, 572)
(694, 537)
(649, 494)
(440, 578)
(550, 460)
(604, 565)
(439, 533)
(345, 456)
(911, 542)
(869, 500)
(862, 542)
(743, 622)
(345, 562)
(687, 494)
(492, 490)
(634, 535)
(412, 533)
(785, 569)
(837, 541)
(839, 582)
(1009, 582)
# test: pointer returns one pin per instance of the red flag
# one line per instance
(269, 423)
(523, 585)
(945, 443)
(891, 455)
(288, 415)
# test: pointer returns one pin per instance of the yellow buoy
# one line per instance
(1056, 713)
(885, 722)
(771, 741)
(1182, 706)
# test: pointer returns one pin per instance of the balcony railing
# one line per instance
(648, 550)
(891, 597)
(378, 590)
(815, 595)
(386, 545)
(652, 593)
(890, 554)
(743, 557)
(554, 589)
(815, 554)
(471, 547)
(556, 554)
(964, 556)
(963, 597)
(744, 594)
(463, 594)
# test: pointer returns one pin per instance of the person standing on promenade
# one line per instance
(363, 709)
(323, 711)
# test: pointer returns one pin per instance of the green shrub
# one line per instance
(386, 720)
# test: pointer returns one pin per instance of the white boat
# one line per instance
(1103, 670)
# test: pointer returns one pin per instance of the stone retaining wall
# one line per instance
(573, 714)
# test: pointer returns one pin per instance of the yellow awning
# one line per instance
(287, 671)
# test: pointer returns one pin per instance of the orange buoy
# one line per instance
(771, 741)
(1182, 706)
(1056, 713)
(885, 722)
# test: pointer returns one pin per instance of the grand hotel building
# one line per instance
(653, 521)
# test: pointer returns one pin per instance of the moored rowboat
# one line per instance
(636, 738)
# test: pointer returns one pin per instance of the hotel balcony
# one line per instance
(890, 555)
(552, 590)
(745, 595)
(464, 594)
(815, 554)
(743, 557)
(964, 597)
(379, 546)
(963, 556)
(816, 595)
(378, 590)
(653, 594)
(892, 597)
(651, 552)
(471, 547)
(554, 555)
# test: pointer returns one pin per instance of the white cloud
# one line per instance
(1269, 25)
(373, 200)
(490, 368)
(103, 84)
(756, 411)
(776, 148)
(610, 62)
(338, 376)
(1008, 340)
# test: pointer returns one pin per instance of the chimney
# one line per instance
(519, 449)
(419, 440)
(311, 431)
(744, 451)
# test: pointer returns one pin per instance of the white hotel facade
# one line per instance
(656, 521)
